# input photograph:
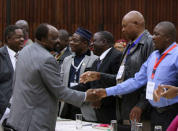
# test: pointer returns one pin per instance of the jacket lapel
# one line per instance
(86, 59)
(7, 58)
(67, 69)
(106, 60)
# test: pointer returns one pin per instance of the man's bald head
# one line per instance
(135, 17)
(23, 24)
(133, 24)
(47, 35)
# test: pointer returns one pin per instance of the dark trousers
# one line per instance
(163, 116)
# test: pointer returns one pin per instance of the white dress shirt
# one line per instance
(103, 55)
(12, 56)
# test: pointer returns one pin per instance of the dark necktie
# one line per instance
(98, 64)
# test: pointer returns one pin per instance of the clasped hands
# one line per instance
(94, 95)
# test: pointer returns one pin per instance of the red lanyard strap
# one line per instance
(162, 57)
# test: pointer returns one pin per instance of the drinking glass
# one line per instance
(138, 127)
(113, 125)
(158, 128)
(78, 121)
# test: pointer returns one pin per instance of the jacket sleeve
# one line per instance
(109, 79)
(81, 87)
(50, 75)
(143, 102)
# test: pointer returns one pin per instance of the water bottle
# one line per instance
(113, 125)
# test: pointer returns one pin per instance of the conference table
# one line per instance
(70, 125)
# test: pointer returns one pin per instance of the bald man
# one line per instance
(23, 24)
(131, 106)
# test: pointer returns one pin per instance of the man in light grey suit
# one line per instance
(73, 66)
(38, 85)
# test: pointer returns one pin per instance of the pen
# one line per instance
(87, 125)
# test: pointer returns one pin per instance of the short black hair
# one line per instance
(170, 29)
(9, 31)
(107, 36)
(41, 31)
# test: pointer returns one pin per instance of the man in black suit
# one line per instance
(108, 62)
(13, 43)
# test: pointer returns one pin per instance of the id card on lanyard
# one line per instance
(122, 67)
(151, 85)
(76, 70)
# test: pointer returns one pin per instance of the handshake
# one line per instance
(94, 95)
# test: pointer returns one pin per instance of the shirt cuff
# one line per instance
(5, 115)
(109, 91)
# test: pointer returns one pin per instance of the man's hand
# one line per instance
(135, 113)
(157, 94)
(168, 91)
(94, 95)
(101, 93)
(89, 76)
(91, 95)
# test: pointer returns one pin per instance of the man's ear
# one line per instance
(42, 42)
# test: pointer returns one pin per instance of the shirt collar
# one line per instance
(174, 43)
(103, 55)
(11, 52)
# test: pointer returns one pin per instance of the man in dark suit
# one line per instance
(13, 43)
(108, 62)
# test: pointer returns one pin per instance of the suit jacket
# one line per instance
(67, 52)
(86, 109)
(37, 90)
(6, 78)
(109, 65)
(135, 59)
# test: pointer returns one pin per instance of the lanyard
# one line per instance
(134, 43)
(76, 69)
(157, 63)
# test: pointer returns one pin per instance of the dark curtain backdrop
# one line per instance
(94, 15)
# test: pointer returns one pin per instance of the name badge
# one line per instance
(120, 72)
(149, 90)
(73, 84)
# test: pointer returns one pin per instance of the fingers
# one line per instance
(95, 94)
(156, 97)
(168, 91)
(135, 114)
(89, 76)
(83, 77)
